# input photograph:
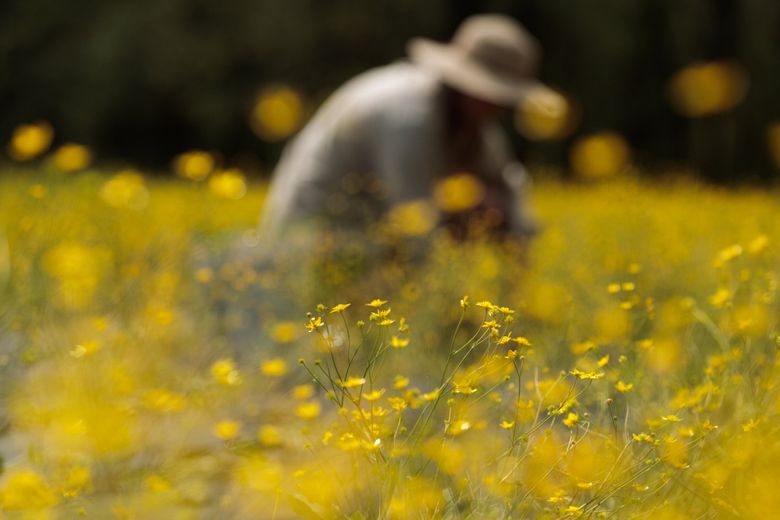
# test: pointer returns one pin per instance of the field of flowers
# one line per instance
(624, 366)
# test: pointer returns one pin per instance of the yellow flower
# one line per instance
(25, 489)
(486, 305)
(458, 193)
(375, 395)
(750, 425)
(458, 427)
(397, 342)
(379, 314)
(269, 436)
(284, 332)
(224, 372)
(341, 307)
(622, 387)
(403, 327)
(277, 113)
(397, 403)
(579, 374)
(376, 303)
(227, 429)
(645, 437)
(603, 361)
(523, 342)
(310, 410)
(571, 420)
(464, 388)
(314, 324)
(507, 424)
(275, 367)
(72, 157)
(464, 302)
(29, 141)
(228, 184)
(352, 382)
(302, 392)
(194, 165)
(490, 324)
(400, 382)
(386, 322)
(430, 396)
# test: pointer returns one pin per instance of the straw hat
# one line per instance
(490, 57)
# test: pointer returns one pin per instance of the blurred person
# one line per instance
(389, 135)
(385, 139)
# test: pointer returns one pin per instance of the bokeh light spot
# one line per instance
(194, 165)
(544, 115)
(704, 89)
(126, 189)
(72, 157)
(458, 193)
(414, 218)
(277, 113)
(29, 141)
(600, 155)
(228, 184)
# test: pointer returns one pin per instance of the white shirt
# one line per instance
(379, 141)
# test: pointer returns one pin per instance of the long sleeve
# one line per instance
(500, 168)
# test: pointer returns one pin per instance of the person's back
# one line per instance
(353, 159)
(388, 135)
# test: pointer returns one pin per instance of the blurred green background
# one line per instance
(144, 80)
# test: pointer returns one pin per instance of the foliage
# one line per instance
(626, 367)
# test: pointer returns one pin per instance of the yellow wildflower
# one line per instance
(352, 382)
(275, 367)
(227, 429)
(397, 342)
(314, 324)
(430, 396)
(571, 420)
(490, 324)
(579, 374)
(303, 392)
(224, 372)
(341, 307)
(403, 327)
(309, 410)
(374, 395)
(397, 403)
(400, 382)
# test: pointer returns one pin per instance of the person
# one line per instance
(388, 136)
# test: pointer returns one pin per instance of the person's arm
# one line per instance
(508, 184)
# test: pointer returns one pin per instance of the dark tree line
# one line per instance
(146, 79)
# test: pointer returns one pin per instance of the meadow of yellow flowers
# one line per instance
(624, 366)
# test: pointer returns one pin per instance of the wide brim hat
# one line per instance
(490, 57)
